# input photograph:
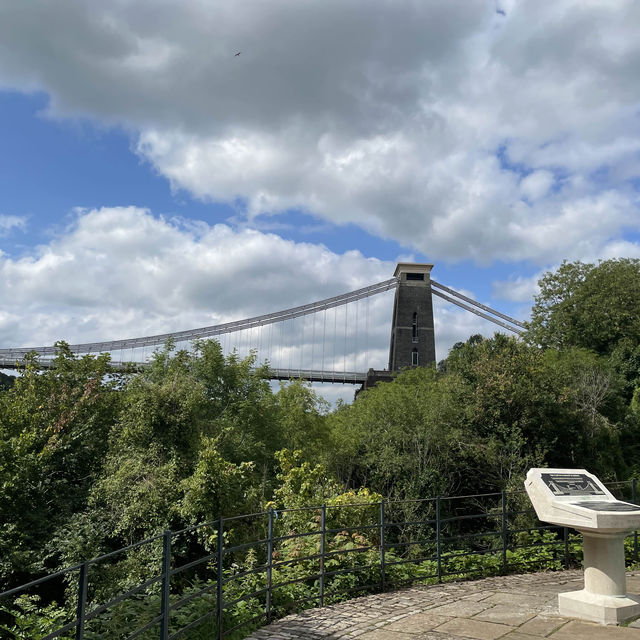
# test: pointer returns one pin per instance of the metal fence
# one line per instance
(224, 578)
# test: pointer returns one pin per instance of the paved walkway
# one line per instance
(520, 607)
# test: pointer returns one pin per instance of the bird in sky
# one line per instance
(237, 54)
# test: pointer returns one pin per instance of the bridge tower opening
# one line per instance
(412, 337)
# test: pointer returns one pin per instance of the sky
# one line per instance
(152, 180)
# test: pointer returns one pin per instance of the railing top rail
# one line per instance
(277, 512)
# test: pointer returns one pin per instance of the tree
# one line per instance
(54, 428)
(302, 417)
(557, 407)
(499, 407)
(185, 418)
(6, 382)
(595, 307)
(401, 438)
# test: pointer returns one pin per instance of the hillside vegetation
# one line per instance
(91, 461)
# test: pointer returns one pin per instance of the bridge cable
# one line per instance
(504, 316)
(214, 330)
(476, 311)
(355, 346)
(324, 333)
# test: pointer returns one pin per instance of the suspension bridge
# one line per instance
(324, 341)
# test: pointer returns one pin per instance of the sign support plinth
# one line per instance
(604, 598)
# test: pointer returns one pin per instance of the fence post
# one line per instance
(269, 562)
(323, 529)
(634, 499)
(438, 539)
(566, 547)
(219, 578)
(382, 549)
(165, 604)
(83, 580)
(503, 499)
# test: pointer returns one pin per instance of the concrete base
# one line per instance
(598, 608)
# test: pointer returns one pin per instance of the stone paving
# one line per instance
(518, 607)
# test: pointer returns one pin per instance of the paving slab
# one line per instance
(519, 599)
(579, 630)
(513, 615)
(479, 596)
(515, 607)
(474, 629)
(542, 626)
(460, 608)
(418, 623)
(517, 635)
(385, 634)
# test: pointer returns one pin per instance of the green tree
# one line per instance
(6, 381)
(532, 406)
(54, 428)
(302, 417)
(591, 306)
(595, 307)
(216, 487)
(498, 407)
(401, 438)
(194, 439)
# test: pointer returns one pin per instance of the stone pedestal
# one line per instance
(604, 598)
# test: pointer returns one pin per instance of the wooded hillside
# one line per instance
(92, 461)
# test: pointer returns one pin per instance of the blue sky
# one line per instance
(144, 166)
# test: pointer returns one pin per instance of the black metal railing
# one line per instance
(227, 577)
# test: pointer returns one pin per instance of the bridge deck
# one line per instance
(312, 375)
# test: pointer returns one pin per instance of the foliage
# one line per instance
(54, 427)
(31, 620)
(496, 408)
(6, 381)
(104, 460)
(401, 439)
(595, 307)
(216, 485)
(587, 305)
(302, 417)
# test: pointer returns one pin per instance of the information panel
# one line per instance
(602, 505)
(571, 484)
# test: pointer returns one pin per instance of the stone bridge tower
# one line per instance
(412, 338)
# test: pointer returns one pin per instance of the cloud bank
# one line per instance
(463, 130)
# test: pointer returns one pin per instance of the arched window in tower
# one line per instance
(414, 328)
(414, 357)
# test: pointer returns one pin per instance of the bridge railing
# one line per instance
(224, 578)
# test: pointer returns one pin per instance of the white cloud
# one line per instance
(519, 289)
(415, 121)
(620, 249)
(122, 271)
(524, 288)
(536, 184)
(9, 222)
